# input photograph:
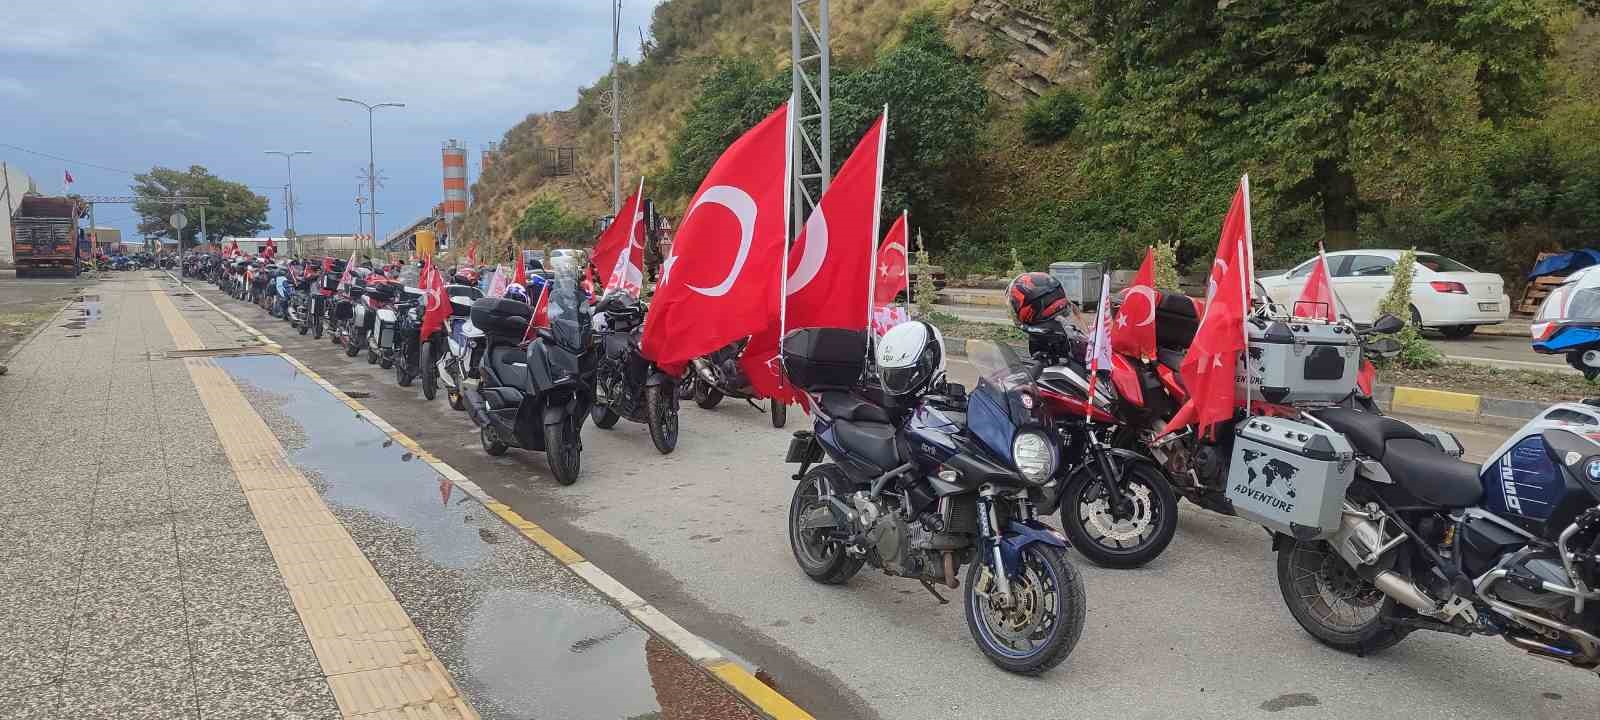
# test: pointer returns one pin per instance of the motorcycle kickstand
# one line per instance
(935, 593)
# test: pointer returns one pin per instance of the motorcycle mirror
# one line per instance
(1384, 347)
(1387, 324)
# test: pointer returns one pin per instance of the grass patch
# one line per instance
(17, 326)
(1535, 385)
(953, 326)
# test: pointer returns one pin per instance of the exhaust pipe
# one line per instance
(703, 366)
(1402, 589)
(475, 406)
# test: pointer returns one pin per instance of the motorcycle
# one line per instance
(536, 395)
(405, 336)
(363, 315)
(1568, 322)
(456, 351)
(957, 480)
(626, 384)
(1379, 532)
(717, 375)
(299, 312)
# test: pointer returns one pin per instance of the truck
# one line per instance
(44, 236)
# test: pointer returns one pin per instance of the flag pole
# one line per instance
(1248, 251)
(905, 249)
(789, 227)
(877, 220)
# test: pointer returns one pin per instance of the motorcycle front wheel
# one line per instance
(452, 391)
(1332, 602)
(1119, 540)
(562, 448)
(428, 368)
(316, 328)
(779, 412)
(603, 416)
(404, 372)
(1045, 617)
(662, 403)
(819, 556)
(354, 341)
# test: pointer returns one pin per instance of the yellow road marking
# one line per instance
(1424, 399)
(176, 326)
(770, 701)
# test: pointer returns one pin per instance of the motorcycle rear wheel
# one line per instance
(706, 396)
(354, 341)
(1317, 584)
(562, 449)
(662, 403)
(491, 442)
(1047, 617)
(403, 372)
(316, 328)
(820, 558)
(603, 416)
(1131, 541)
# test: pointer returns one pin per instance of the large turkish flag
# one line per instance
(721, 282)
(1210, 365)
(620, 248)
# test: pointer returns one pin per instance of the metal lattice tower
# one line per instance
(810, 117)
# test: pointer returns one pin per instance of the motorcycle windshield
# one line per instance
(1575, 301)
(1003, 400)
(567, 306)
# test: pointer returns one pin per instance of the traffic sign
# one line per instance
(178, 220)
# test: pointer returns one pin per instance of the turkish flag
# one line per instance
(521, 274)
(349, 271)
(1209, 367)
(892, 279)
(472, 253)
(620, 249)
(498, 283)
(1317, 301)
(1134, 333)
(831, 265)
(437, 308)
(270, 250)
(720, 283)
(541, 313)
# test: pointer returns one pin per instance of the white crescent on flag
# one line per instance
(744, 208)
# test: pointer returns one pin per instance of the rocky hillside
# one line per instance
(1021, 52)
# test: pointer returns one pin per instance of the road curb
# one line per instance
(730, 674)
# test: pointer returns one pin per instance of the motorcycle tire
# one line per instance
(316, 328)
(452, 392)
(491, 442)
(429, 371)
(824, 561)
(1102, 539)
(372, 356)
(603, 416)
(305, 327)
(686, 386)
(1307, 570)
(779, 412)
(404, 374)
(354, 342)
(662, 403)
(1043, 565)
(706, 396)
(562, 449)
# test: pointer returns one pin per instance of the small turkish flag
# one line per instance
(472, 253)
(1317, 301)
(67, 176)
(521, 276)
(892, 279)
(720, 283)
(349, 271)
(437, 308)
(1209, 367)
(621, 247)
(1135, 330)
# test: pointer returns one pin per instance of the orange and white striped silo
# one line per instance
(455, 183)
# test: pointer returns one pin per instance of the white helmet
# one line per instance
(910, 358)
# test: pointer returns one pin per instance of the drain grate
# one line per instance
(217, 352)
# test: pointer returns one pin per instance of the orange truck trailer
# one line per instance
(44, 236)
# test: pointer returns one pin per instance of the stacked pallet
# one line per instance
(1535, 292)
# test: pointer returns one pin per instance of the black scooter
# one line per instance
(536, 396)
(626, 384)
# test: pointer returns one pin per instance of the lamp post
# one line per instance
(372, 168)
(288, 201)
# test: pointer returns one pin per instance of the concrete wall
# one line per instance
(16, 182)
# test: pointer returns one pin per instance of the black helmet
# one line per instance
(1036, 297)
(910, 358)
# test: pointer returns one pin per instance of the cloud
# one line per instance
(214, 83)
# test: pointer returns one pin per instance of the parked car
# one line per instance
(1445, 295)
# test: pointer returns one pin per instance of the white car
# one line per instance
(1445, 295)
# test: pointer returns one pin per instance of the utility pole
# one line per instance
(810, 64)
(616, 110)
(372, 167)
(288, 193)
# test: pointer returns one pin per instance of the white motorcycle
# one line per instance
(458, 364)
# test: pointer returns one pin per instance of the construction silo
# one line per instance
(487, 158)
(455, 185)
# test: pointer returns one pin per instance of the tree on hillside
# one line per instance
(231, 208)
(1298, 90)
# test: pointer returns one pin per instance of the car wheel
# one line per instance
(1416, 318)
(1456, 332)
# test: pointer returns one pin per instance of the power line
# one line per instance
(68, 160)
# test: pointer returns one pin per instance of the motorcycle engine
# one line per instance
(887, 537)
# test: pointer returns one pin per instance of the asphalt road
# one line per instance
(1512, 351)
(1199, 633)
(26, 303)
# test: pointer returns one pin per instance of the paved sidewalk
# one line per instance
(196, 530)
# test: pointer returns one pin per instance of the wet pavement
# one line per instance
(524, 637)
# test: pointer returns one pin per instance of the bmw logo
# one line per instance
(1593, 470)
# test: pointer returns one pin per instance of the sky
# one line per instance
(130, 85)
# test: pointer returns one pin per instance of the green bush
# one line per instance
(547, 220)
(1052, 117)
(1415, 351)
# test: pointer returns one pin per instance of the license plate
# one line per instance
(1488, 307)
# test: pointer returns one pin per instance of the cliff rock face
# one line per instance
(1027, 53)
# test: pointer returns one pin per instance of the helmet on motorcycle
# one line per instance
(910, 358)
(1036, 297)
(466, 276)
(515, 291)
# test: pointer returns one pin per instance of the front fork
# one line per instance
(995, 581)
(1116, 501)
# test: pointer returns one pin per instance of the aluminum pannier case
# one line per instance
(1290, 476)
(1302, 362)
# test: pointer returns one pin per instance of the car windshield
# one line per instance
(1440, 263)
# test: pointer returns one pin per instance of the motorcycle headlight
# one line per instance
(1035, 456)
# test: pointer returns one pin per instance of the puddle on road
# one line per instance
(523, 636)
(85, 314)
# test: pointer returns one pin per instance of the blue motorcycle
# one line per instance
(921, 480)
(1568, 322)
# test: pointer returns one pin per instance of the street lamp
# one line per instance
(288, 201)
(372, 169)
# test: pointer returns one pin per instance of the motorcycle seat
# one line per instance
(872, 442)
(1411, 459)
(1176, 320)
(1173, 359)
(505, 360)
(844, 406)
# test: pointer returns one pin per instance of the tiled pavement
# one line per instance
(135, 581)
